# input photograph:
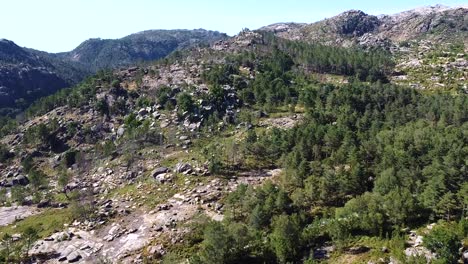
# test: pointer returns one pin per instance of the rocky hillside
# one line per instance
(437, 23)
(239, 152)
(26, 74)
(143, 46)
(428, 44)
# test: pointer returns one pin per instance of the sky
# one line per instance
(61, 25)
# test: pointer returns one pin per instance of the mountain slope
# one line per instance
(143, 46)
(142, 164)
(27, 74)
(428, 44)
(357, 27)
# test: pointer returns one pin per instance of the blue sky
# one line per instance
(61, 25)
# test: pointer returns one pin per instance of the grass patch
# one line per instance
(395, 247)
(46, 223)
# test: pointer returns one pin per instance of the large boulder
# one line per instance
(159, 171)
(20, 180)
(182, 167)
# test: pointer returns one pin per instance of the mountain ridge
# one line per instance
(53, 71)
(346, 28)
(350, 28)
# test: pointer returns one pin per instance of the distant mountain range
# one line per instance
(27, 74)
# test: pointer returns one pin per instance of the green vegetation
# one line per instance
(73, 97)
(30, 229)
(385, 157)
(444, 241)
(368, 159)
(5, 154)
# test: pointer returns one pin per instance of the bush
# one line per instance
(5, 154)
(69, 158)
(185, 102)
(445, 242)
(163, 95)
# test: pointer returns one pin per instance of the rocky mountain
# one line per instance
(356, 27)
(254, 149)
(143, 46)
(27, 74)
(428, 44)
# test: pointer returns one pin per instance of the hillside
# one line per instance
(26, 74)
(143, 46)
(428, 44)
(436, 23)
(254, 149)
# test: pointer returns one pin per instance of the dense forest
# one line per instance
(367, 160)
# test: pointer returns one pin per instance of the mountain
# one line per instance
(200, 157)
(27, 74)
(428, 44)
(439, 23)
(254, 149)
(144, 46)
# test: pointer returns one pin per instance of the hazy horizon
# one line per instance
(59, 26)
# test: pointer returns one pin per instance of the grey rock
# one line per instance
(120, 131)
(20, 180)
(73, 257)
(142, 112)
(159, 171)
(182, 167)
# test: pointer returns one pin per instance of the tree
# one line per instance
(258, 217)
(443, 241)
(284, 238)
(30, 235)
(399, 206)
(102, 107)
(37, 179)
(463, 197)
(216, 244)
(5, 154)
(185, 102)
(364, 212)
(447, 206)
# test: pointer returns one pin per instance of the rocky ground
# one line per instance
(136, 228)
(9, 215)
(431, 66)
